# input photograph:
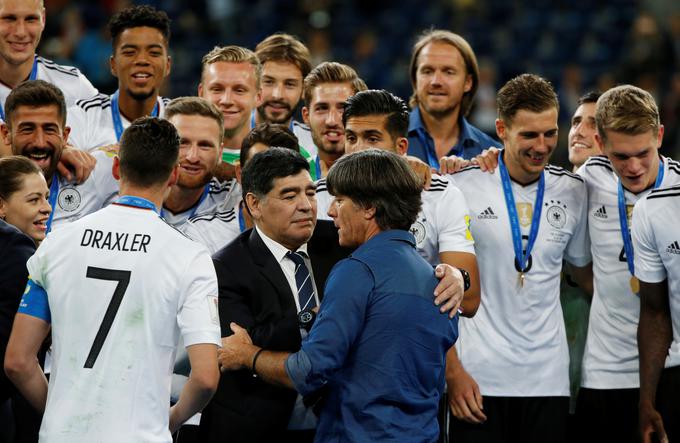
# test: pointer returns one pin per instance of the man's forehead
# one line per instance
(335, 91)
(586, 110)
(302, 180)
(222, 70)
(374, 122)
(21, 7)
(281, 68)
(43, 114)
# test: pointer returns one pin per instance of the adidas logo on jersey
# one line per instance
(487, 214)
(601, 212)
(673, 248)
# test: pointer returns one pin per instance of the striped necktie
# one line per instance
(303, 281)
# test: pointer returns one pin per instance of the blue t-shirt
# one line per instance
(379, 343)
(471, 141)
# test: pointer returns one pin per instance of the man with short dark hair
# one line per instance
(581, 141)
(444, 75)
(35, 128)
(380, 387)
(140, 39)
(115, 319)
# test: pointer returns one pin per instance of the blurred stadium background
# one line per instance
(579, 45)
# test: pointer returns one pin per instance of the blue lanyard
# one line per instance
(115, 115)
(253, 123)
(317, 166)
(241, 220)
(54, 192)
(206, 191)
(32, 76)
(521, 257)
(623, 220)
(137, 202)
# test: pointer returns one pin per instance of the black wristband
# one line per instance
(252, 368)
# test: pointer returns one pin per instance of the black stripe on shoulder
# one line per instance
(52, 66)
(321, 185)
(670, 191)
(165, 100)
(599, 162)
(557, 171)
(225, 216)
(219, 187)
(674, 168)
(96, 100)
(467, 168)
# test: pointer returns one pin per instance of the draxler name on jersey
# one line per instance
(115, 241)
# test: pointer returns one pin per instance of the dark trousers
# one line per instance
(607, 415)
(516, 420)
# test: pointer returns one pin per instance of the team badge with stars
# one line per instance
(556, 214)
(69, 199)
(418, 231)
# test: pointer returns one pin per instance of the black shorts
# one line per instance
(516, 420)
(607, 415)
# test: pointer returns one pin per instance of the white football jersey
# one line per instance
(91, 122)
(610, 360)
(73, 84)
(442, 224)
(656, 245)
(216, 230)
(219, 195)
(516, 344)
(122, 287)
(75, 200)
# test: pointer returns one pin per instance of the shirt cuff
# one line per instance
(298, 367)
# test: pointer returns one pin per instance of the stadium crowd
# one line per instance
(209, 268)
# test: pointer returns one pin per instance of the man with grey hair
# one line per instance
(372, 314)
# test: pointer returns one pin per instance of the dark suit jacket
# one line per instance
(15, 249)
(254, 292)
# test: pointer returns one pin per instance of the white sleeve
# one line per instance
(107, 186)
(648, 265)
(198, 315)
(578, 249)
(453, 222)
(85, 87)
(194, 232)
(76, 119)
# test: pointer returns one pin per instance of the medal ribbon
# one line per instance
(623, 220)
(521, 257)
(137, 202)
(206, 190)
(241, 220)
(115, 115)
(54, 192)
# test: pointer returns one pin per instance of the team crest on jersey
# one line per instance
(525, 212)
(69, 199)
(556, 214)
(418, 231)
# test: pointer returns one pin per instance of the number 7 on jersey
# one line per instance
(123, 279)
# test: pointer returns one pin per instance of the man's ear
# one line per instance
(253, 205)
(369, 213)
(305, 115)
(402, 145)
(500, 129)
(115, 168)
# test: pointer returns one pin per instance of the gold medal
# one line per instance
(521, 279)
(635, 285)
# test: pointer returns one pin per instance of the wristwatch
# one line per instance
(306, 319)
(466, 279)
